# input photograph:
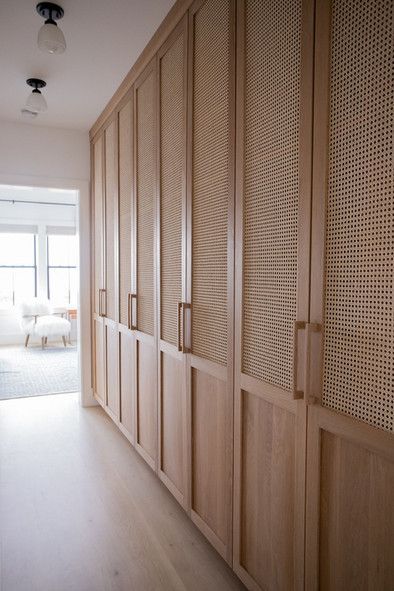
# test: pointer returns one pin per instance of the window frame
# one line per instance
(57, 267)
(34, 266)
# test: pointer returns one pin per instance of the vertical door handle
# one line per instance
(312, 328)
(298, 326)
(132, 296)
(128, 310)
(104, 295)
(99, 302)
(180, 341)
(181, 325)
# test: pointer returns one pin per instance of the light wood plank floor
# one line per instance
(81, 511)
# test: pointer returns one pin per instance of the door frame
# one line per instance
(83, 225)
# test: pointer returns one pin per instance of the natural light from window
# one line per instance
(18, 268)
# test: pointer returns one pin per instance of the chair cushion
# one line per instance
(35, 307)
(48, 326)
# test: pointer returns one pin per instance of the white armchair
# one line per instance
(37, 318)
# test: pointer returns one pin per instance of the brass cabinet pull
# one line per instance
(132, 324)
(298, 326)
(311, 370)
(104, 294)
(312, 328)
(181, 324)
(179, 309)
(128, 310)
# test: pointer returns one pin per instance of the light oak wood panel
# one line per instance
(350, 526)
(210, 477)
(172, 421)
(125, 125)
(145, 196)
(127, 382)
(111, 221)
(210, 267)
(171, 261)
(267, 493)
(112, 369)
(98, 221)
(146, 401)
(273, 203)
(99, 360)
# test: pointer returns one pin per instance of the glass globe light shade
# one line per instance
(28, 114)
(51, 38)
(36, 102)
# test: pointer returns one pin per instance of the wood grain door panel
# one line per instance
(127, 383)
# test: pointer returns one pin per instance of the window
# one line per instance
(62, 269)
(18, 268)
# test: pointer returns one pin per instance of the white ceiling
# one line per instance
(104, 38)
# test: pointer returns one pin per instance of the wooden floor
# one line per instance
(80, 511)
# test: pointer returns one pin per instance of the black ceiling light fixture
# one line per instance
(50, 36)
(35, 102)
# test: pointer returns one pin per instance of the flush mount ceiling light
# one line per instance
(27, 114)
(35, 102)
(50, 36)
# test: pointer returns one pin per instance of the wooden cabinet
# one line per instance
(272, 295)
(171, 259)
(145, 165)
(350, 470)
(242, 215)
(98, 357)
(211, 256)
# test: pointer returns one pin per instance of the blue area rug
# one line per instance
(34, 372)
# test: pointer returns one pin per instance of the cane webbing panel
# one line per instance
(210, 191)
(172, 155)
(98, 220)
(111, 198)
(272, 112)
(125, 188)
(146, 165)
(359, 309)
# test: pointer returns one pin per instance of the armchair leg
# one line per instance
(27, 339)
(46, 340)
(64, 341)
(42, 342)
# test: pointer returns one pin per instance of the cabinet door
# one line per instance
(126, 249)
(99, 387)
(125, 127)
(111, 221)
(172, 82)
(145, 195)
(210, 269)
(350, 506)
(111, 299)
(98, 271)
(127, 344)
(273, 204)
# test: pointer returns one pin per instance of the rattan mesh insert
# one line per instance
(146, 164)
(210, 180)
(98, 219)
(110, 211)
(272, 111)
(125, 196)
(359, 309)
(172, 156)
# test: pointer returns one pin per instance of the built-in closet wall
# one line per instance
(242, 209)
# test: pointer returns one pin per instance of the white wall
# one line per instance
(29, 150)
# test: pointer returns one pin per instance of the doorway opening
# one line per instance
(39, 291)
